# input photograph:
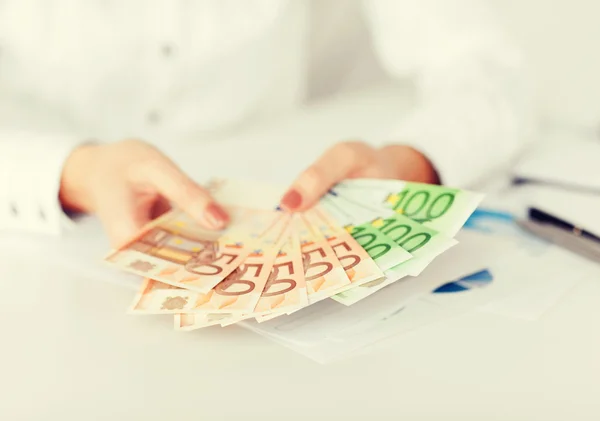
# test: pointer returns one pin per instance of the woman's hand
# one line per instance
(357, 160)
(129, 183)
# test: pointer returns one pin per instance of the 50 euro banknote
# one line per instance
(323, 272)
(332, 259)
(424, 243)
(358, 222)
(360, 268)
(192, 321)
(285, 290)
(238, 293)
(175, 250)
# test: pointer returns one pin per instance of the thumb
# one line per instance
(332, 167)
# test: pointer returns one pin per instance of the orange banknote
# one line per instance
(286, 287)
(323, 272)
(360, 268)
(237, 293)
(176, 250)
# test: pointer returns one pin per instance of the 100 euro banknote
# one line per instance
(360, 268)
(441, 208)
(424, 243)
(359, 223)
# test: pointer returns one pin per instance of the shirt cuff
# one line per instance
(32, 166)
(432, 138)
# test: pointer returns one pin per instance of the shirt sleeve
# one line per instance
(472, 111)
(31, 166)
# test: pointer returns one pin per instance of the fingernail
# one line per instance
(216, 216)
(292, 200)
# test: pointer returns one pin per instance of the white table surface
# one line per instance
(69, 351)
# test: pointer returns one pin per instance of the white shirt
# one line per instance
(73, 70)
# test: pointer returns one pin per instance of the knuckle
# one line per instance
(151, 158)
(142, 166)
(192, 196)
(141, 156)
(136, 143)
(152, 162)
(354, 143)
(353, 151)
(374, 172)
(389, 149)
(139, 150)
(313, 174)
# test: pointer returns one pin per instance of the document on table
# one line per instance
(327, 330)
(524, 285)
(529, 277)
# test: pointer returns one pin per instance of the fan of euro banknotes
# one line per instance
(361, 237)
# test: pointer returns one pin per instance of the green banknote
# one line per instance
(359, 223)
(441, 208)
(423, 242)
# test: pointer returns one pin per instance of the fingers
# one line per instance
(333, 166)
(120, 215)
(407, 163)
(173, 184)
(373, 171)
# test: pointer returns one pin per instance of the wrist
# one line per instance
(74, 181)
(410, 164)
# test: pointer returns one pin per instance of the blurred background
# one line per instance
(561, 42)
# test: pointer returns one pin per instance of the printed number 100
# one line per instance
(421, 206)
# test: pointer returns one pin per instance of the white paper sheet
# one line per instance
(330, 330)
(543, 283)
(359, 337)
(525, 283)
